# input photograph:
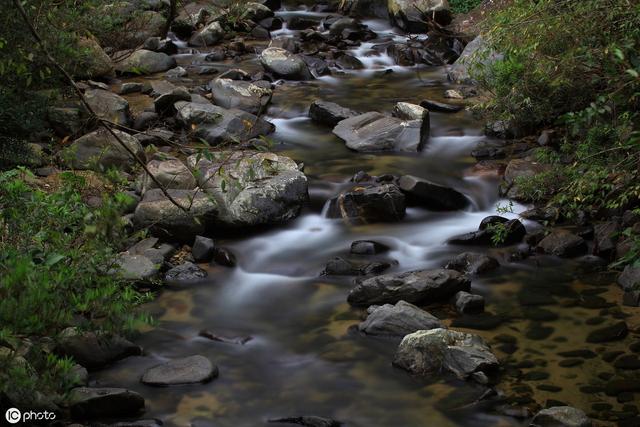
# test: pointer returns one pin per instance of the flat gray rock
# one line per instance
(398, 320)
(188, 370)
(561, 416)
(422, 286)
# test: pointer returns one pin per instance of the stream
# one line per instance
(306, 357)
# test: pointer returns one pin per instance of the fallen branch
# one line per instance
(102, 122)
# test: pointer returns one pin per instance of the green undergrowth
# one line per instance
(55, 257)
(573, 67)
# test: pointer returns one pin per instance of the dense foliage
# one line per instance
(463, 6)
(55, 256)
(573, 66)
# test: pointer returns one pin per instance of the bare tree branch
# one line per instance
(102, 122)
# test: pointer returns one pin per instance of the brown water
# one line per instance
(305, 358)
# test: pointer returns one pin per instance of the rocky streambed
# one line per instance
(350, 255)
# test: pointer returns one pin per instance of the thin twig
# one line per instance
(102, 122)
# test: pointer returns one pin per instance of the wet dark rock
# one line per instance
(341, 267)
(308, 421)
(318, 66)
(145, 120)
(202, 249)
(546, 213)
(88, 403)
(217, 54)
(367, 204)
(94, 350)
(130, 87)
(605, 238)
(561, 416)
(537, 332)
(156, 44)
(631, 299)
(367, 247)
(489, 150)
(397, 320)
(514, 232)
(430, 195)
(164, 104)
(629, 279)
(251, 97)
(217, 125)
(628, 362)
(438, 350)
(622, 385)
(569, 363)
(224, 257)
(480, 321)
(440, 107)
(423, 286)
(349, 62)
(215, 337)
(536, 376)
(609, 333)
(329, 113)
(409, 14)
(610, 356)
(563, 243)
(187, 272)
(138, 423)
(549, 387)
(584, 354)
(187, 370)
(374, 131)
(301, 23)
(284, 64)
(473, 263)
(468, 303)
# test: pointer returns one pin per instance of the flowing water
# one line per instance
(304, 357)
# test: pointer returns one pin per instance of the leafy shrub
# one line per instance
(572, 65)
(463, 6)
(55, 257)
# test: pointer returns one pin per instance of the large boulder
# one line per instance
(218, 125)
(109, 106)
(563, 243)
(476, 55)
(156, 210)
(408, 111)
(252, 188)
(561, 416)
(422, 286)
(397, 320)
(188, 370)
(89, 403)
(208, 36)
(430, 195)
(473, 263)
(171, 173)
(329, 113)
(438, 350)
(369, 203)
(94, 63)
(146, 62)
(517, 170)
(412, 15)
(629, 279)
(94, 350)
(374, 131)
(252, 97)
(101, 150)
(284, 64)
